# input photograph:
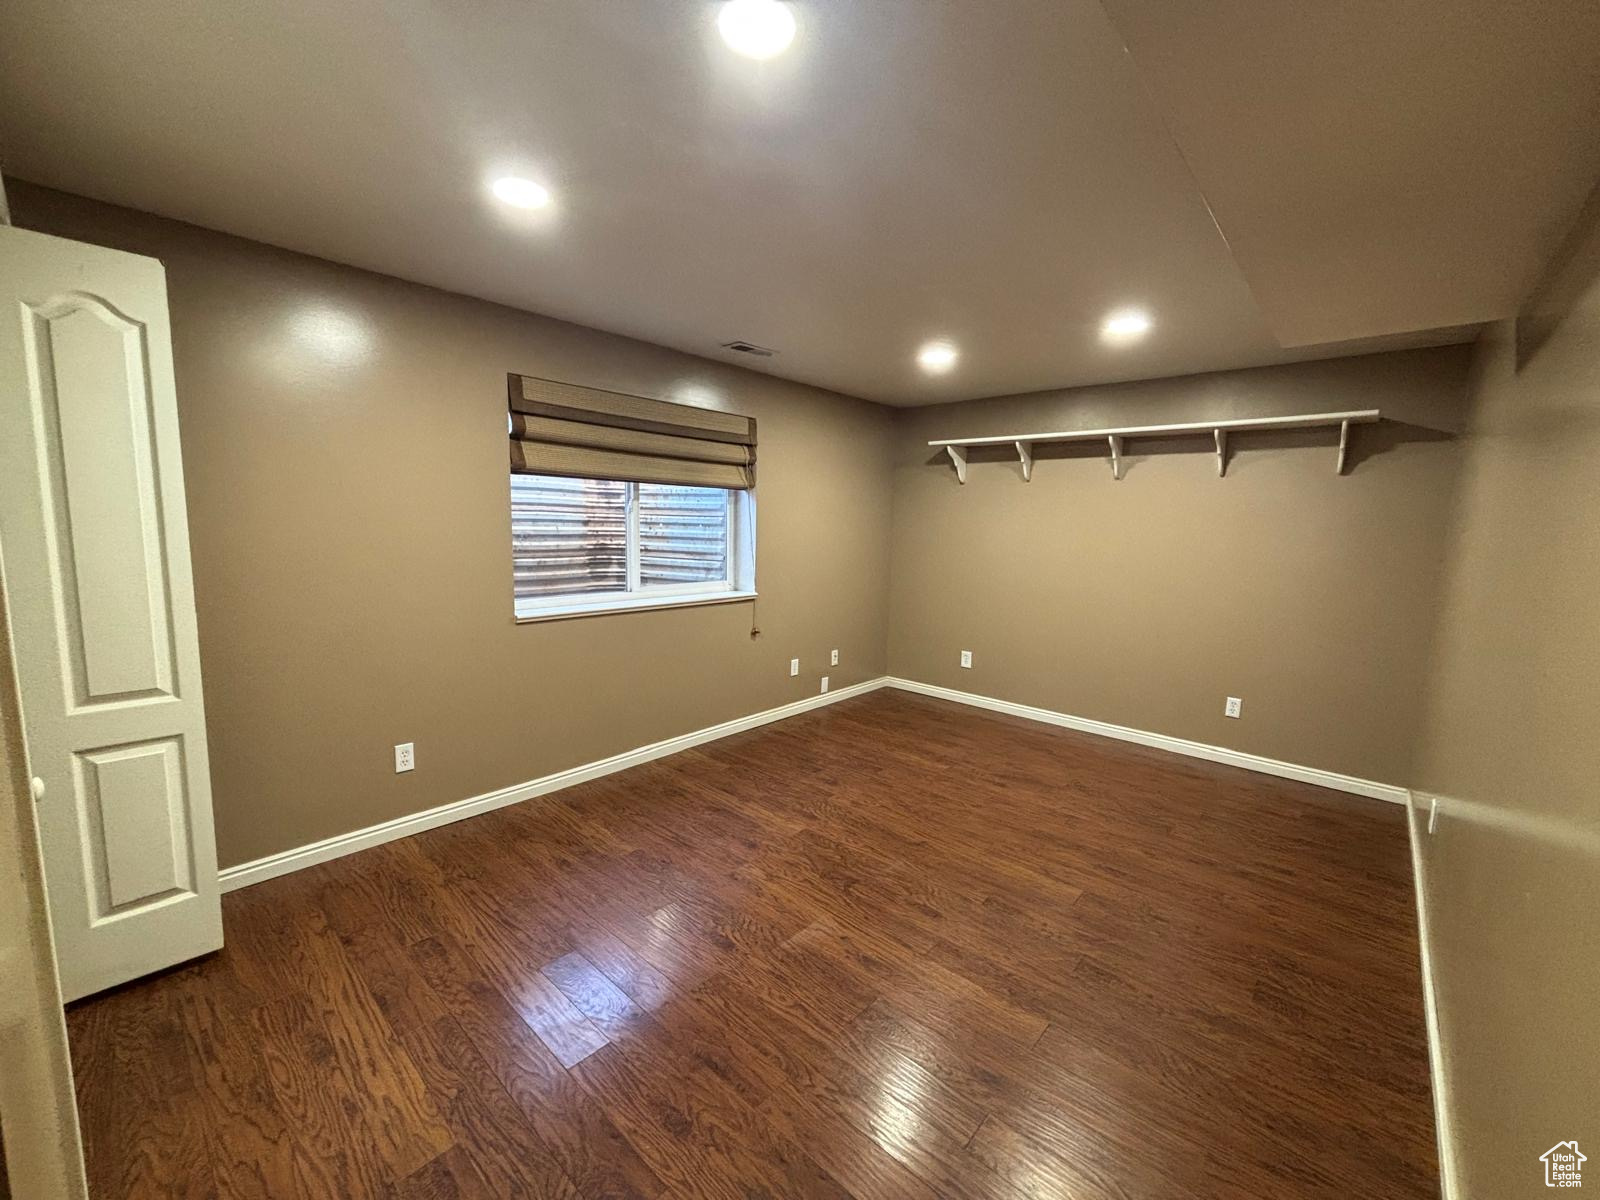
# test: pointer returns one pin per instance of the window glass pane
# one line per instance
(683, 535)
(569, 537)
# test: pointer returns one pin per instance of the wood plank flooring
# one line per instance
(891, 948)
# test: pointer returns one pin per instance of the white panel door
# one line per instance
(94, 547)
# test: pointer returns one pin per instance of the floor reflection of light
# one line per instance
(658, 930)
(896, 1116)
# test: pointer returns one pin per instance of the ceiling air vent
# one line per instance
(749, 348)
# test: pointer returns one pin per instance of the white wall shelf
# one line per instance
(1115, 438)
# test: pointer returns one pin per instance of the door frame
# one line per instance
(38, 1109)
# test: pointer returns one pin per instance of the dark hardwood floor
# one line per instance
(892, 948)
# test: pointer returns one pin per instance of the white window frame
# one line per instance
(739, 585)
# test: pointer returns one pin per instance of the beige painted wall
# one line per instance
(344, 440)
(1146, 601)
(1512, 740)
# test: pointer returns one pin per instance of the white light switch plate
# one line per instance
(834, 660)
(405, 757)
(794, 666)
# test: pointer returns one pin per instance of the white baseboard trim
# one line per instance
(1160, 741)
(1443, 1129)
(283, 863)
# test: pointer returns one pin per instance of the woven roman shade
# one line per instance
(566, 429)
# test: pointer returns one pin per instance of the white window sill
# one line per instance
(616, 604)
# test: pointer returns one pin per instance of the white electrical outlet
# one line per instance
(1233, 707)
(405, 757)
(833, 660)
(966, 658)
(824, 683)
(794, 667)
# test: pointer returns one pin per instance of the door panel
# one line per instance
(87, 375)
(94, 549)
(134, 809)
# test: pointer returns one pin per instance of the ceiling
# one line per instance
(1270, 181)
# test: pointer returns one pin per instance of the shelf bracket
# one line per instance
(958, 455)
(1344, 444)
(1025, 453)
(1116, 456)
(1221, 436)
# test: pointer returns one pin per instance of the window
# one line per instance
(593, 545)
(622, 501)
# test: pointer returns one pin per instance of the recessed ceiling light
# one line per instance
(937, 357)
(756, 28)
(521, 193)
(1125, 325)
